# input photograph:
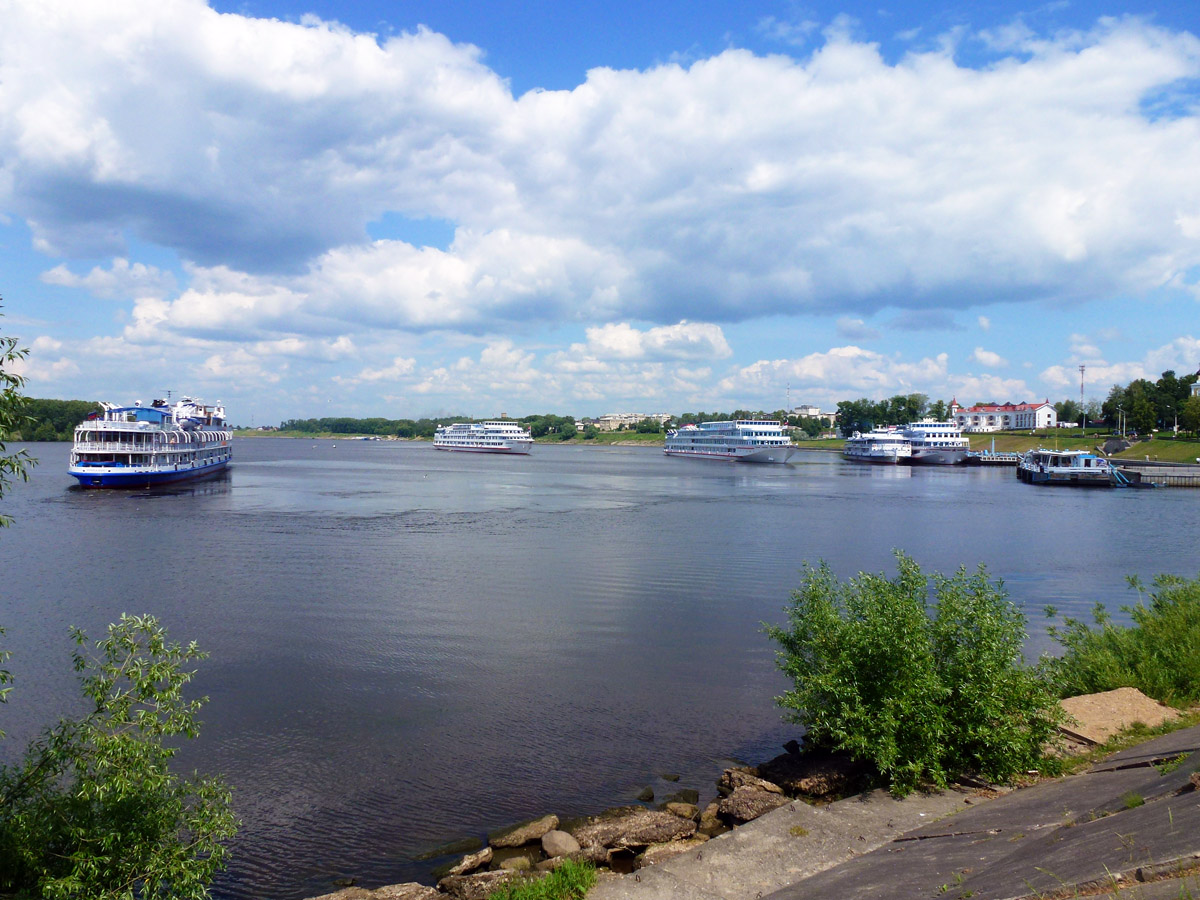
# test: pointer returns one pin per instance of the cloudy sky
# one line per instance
(312, 207)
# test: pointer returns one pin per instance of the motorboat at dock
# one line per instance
(1075, 468)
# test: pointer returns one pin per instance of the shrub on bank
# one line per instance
(1158, 654)
(570, 881)
(923, 695)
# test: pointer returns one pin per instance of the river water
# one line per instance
(409, 647)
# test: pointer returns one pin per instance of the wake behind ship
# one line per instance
(139, 446)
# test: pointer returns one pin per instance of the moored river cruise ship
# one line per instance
(483, 437)
(883, 446)
(936, 443)
(739, 440)
(140, 446)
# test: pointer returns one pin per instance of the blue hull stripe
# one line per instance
(145, 478)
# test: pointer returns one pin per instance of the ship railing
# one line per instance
(118, 447)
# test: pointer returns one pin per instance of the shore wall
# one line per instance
(1164, 474)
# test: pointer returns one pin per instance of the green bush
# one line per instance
(1158, 654)
(922, 695)
(570, 881)
(93, 811)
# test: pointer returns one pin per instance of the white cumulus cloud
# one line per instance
(736, 187)
(988, 358)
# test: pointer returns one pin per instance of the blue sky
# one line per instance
(406, 209)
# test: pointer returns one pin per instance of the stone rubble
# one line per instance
(626, 838)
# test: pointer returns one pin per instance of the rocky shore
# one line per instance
(626, 838)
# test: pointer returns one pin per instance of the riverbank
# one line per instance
(775, 827)
(1157, 449)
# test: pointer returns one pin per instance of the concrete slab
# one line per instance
(781, 848)
(1039, 839)
(1186, 740)
(1036, 840)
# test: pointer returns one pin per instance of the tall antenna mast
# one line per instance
(1082, 410)
(789, 398)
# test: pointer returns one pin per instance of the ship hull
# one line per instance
(512, 451)
(938, 457)
(134, 477)
(777, 455)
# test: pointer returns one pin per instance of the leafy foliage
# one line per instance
(864, 414)
(405, 428)
(922, 697)
(1144, 405)
(12, 420)
(1157, 654)
(55, 420)
(93, 810)
(570, 881)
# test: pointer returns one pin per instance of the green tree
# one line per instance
(1068, 411)
(1189, 415)
(93, 810)
(939, 410)
(1156, 654)
(12, 420)
(921, 697)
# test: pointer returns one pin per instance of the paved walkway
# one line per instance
(1124, 820)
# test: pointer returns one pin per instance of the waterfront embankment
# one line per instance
(764, 838)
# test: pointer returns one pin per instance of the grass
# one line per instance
(570, 881)
(1132, 800)
(1126, 738)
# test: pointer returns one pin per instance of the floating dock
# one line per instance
(992, 458)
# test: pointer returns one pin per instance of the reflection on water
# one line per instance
(409, 646)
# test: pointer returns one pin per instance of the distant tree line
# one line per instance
(812, 426)
(1144, 405)
(53, 420)
(538, 426)
(405, 428)
(864, 414)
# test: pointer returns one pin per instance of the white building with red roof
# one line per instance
(1004, 416)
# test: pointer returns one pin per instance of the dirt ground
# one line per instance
(1099, 716)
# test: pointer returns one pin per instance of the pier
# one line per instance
(1160, 473)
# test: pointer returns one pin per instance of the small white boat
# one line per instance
(883, 446)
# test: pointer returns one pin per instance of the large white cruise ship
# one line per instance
(483, 437)
(882, 445)
(741, 440)
(138, 446)
(937, 443)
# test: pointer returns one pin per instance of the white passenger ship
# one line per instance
(483, 437)
(139, 446)
(936, 443)
(885, 446)
(740, 440)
